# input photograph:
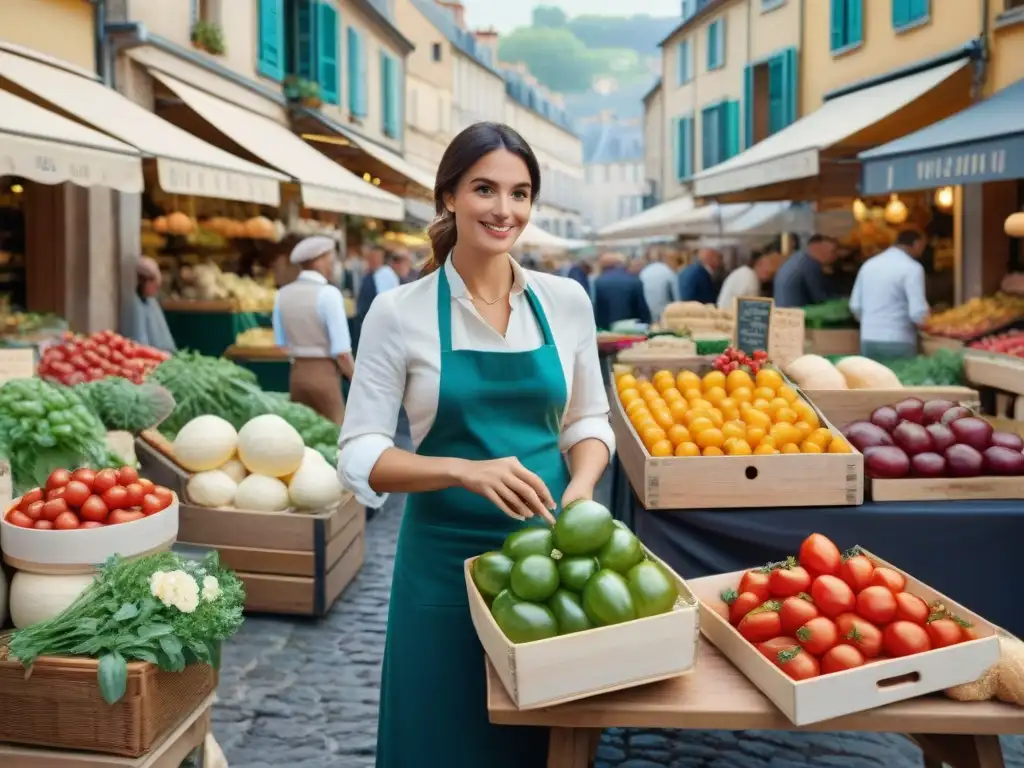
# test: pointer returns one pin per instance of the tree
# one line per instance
(556, 57)
(550, 16)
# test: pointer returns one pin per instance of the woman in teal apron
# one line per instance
(490, 463)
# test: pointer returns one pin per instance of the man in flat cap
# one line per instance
(150, 324)
(309, 321)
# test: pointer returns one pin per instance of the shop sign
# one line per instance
(753, 323)
(17, 364)
(55, 163)
(975, 163)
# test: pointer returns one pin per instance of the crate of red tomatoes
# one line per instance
(81, 517)
(827, 633)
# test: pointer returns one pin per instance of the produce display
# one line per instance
(812, 372)
(28, 323)
(84, 498)
(834, 313)
(91, 358)
(937, 438)
(740, 413)
(588, 571)
(825, 611)
(207, 282)
(264, 466)
(695, 318)
(256, 337)
(976, 317)
(1010, 343)
(123, 405)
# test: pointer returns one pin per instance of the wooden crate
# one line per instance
(262, 354)
(290, 562)
(843, 693)
(566, 668)
(932, 344)
(841, 406)
(833, 341)
(1001, 372)
(736, 482)
(947, 489)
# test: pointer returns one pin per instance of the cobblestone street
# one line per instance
(304, 694)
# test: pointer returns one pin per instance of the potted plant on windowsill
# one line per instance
(299, 90)
(208, 36)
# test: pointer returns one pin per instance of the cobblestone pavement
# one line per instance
(304, 694)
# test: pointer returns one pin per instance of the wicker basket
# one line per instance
(59, 705)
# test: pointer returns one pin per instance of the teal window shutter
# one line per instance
(720, 32)
(837, 24)
(712, 46)
(327, 71)
(791, 80)
(748, 105)
(271, 39)
(306, 56)
(683, 74)
(855, 21)
(900, 13)
(390, 90)
(776, 95)
(688, 147)
(356, 73)
(677, 146)
(732, 129)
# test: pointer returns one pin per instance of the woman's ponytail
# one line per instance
(443, 236)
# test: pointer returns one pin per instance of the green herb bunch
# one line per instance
(123, 405)
(137, 610)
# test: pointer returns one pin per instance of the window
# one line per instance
(270, 48)
(771, 5)
(847, 24)
(683, 132)
(770, 96)
(301, 24)
(909, 13)
(716, 44)
(328, 73)
(356, 74)
(720, 133)
(684, 63)
(205, 10)
(436, 52)
(391, 95)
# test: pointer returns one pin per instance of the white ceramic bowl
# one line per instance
(85, 549)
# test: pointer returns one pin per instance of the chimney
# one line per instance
(457, 10)
(487, 38)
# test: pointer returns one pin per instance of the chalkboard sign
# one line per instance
(753, 323)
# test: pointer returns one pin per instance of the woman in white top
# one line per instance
(747, 280)
(498, 371)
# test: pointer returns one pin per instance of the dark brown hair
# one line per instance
(465, 151)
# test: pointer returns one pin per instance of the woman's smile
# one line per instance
(497, 231)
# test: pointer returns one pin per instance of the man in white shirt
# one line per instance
(746, 280)
(659, 279)
(889, 299)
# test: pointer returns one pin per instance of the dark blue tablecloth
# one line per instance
(969, 551)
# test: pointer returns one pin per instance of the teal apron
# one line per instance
(433, 707)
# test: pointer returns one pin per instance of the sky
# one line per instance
(506, 16)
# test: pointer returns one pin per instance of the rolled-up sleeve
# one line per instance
(917, 297)
(330, 305)
(371, 413)
(587, 414)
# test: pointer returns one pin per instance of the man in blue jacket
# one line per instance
(618, 294)
(697, 281)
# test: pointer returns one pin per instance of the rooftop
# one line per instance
(607, 141)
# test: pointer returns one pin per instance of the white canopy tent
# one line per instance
(540, 239)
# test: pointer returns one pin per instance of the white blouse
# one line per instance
(399, 363)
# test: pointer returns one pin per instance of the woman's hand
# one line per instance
(510, 486)
(576, 491)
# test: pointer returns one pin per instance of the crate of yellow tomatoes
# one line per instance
(732, 432)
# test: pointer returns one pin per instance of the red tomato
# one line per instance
(788, 579)
(860, 633)
(904, 638)
(116, 497)
(841, 657)
(818, 635)
(127, 475)
(57, 478)
(84, 475)
(56, 493)
(754, 580)
(798, 664)
(911, 608)
(66, 521)
(762, 623)
(888, 578)
(124, 516)
(43, 525)
(147, 485)
(832, 595)
(75, 493)
(770, 648)
(944, 632)
(91, 524)
(105, 480)
(35, 510)
(796, 611)
(20, 519)
(151, 504)
(94, 510)
(819, 555)
(54, 509)
(739, 605)
(165, 496)
(135, 493)
(877, 605)
(856, 572)
(30, 498)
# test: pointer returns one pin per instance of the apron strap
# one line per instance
(542, 319)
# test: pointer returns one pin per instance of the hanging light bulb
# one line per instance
(944, 198)
(860, 210)
(896, 210)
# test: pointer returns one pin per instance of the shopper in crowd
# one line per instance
(749, 279)
(309, 322)
(889, 299)
(618, 293)
(580, 272)
(492, 362)
(150, 324)
(801, 280)
(659, 281)
(697, 281)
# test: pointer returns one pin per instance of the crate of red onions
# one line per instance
(825, 634)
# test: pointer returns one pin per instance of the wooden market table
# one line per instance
(717, 696)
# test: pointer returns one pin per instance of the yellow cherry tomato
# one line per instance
(768, 377)
(839, 445)
(738, 379)
(764, 450)
(764, 393)
(804, 427)
(808, 447)
(678, 434)
(713, 451)
(742, 394)
(687, 449)
(791, 448)
(709, 438)
(687, 380)
(739, 448)
(712, 379)
(661, 449)
(625, 381)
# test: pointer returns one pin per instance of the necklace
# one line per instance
(491, 303)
